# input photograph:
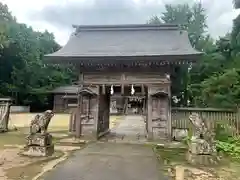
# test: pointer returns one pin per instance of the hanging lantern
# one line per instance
(167, 76)
(112, 91)
(132, 90)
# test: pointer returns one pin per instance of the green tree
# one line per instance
(154, 20)
(23, 73)
(192, 19)
(222, 89)
(209, 74)
(235, 36)
(5, 18)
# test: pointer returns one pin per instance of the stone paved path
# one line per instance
(130, 126)
(109, 161)
(128, 129)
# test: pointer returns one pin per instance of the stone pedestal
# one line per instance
(39, 145)
(3, 130)
(200, 152)
(201, 159)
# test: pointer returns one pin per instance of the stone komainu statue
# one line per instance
(201, 148)
(40, 122)
(39, 141)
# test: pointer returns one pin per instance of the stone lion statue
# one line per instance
(40, 122)
(201, 130)
(199, 126)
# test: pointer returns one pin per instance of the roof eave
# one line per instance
(102, 59)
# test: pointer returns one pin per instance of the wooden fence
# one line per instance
(228, 117)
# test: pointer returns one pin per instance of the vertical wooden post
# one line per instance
(108, 110)
(96, 112)
(122, 83)
(79, 108)
(70, 129)
(169, 113)
(89, 108)
(238, 121)
(149, 116)
(142, 89)
(103, 89)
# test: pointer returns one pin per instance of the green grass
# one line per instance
(19, 137)
(171, 157)
(58, 125)
(176, 155)
(12, 138)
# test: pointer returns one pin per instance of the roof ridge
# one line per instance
(126, 27)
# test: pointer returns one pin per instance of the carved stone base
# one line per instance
(3, 130)
(39, 140)
(38, 151)
(201, 159)
(200, 146)
(39, 145)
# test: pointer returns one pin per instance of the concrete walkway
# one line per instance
(109, 161)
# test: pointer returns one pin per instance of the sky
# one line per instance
(58, 16)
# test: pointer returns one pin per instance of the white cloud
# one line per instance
(58, 15)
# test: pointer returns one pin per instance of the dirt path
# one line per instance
(109, 161)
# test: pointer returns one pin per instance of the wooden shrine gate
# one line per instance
(94, 107)
(125, 55)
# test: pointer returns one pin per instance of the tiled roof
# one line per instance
(125, 41)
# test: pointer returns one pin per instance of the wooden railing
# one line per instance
(229, 117)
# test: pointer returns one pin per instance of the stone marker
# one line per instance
(39, 141)
(201, 149)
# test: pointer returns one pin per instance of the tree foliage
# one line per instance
(23, 73)
(214, 80)
(192, 19)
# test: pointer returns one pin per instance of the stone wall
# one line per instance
(20, 109)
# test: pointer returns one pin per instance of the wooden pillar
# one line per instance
(88, 107)
(79, 108)
(103, 89)
(169, 113)
(107, 109)
(142, 90)
(149, 116)
(96, 112)
(122, 83)
(72, 125)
